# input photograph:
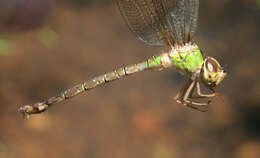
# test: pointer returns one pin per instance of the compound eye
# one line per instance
(211, 65)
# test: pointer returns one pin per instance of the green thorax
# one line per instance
(187, 58)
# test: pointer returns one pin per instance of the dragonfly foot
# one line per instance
(202, 107)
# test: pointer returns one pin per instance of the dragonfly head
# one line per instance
(212, 73)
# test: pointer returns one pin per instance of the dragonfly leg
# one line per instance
(192, 102)
(201, 95)
(180, 94)
(185, 96)
(185, 93)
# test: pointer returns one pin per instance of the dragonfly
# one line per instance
(168, 23)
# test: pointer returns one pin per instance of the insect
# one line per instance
(169, 23)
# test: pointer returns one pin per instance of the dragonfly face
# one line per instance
(212, 73)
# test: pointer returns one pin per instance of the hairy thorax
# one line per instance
(186, 59)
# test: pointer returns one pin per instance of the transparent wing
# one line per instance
(193, 17)
(182, 16)
(142, 19)
(159, 22)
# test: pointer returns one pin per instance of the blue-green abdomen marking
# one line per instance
(188, 59)
(154, 62)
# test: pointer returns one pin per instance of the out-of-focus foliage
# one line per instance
(5, 46)
(21, 15)
(258, 3)
(17, 16)
(48, 37)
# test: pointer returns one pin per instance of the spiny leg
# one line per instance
(179, 96)
(185, 97)
(186, 92)
(192, 103)
(200, 95)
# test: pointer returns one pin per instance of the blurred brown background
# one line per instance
(136, 117)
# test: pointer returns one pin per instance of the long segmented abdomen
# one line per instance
(154, 63)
